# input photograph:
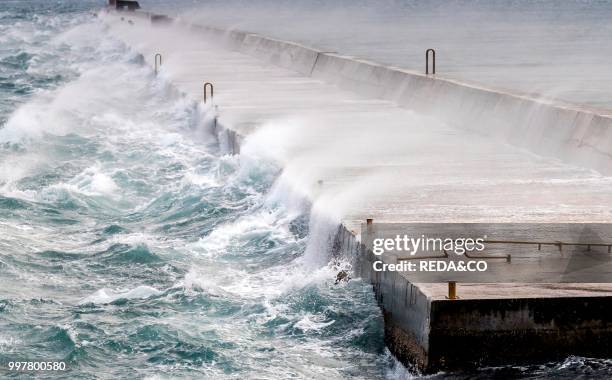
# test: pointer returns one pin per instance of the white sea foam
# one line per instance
(92, 181)
(105, 295)
(269, 284)
(8, 344)
(204, 180)
(311, 322)
(264, 222)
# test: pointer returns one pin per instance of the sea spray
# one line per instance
(145, 246)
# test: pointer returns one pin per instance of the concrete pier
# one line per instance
(490, 324)
(399, 146)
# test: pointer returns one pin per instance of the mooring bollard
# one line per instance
(160, 61)
(452, 290)
(433, 61)
(206, 85)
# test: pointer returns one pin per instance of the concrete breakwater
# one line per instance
(573, 133)
(490, 322)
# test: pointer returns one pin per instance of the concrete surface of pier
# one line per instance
(412, 150)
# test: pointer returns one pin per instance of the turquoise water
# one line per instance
(132, 247)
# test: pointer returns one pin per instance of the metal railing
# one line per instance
(558, 244)
(206, 85)
(445, 256)
(508, 257)
(160, 62)
(433, 61)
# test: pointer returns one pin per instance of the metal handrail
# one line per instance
(558, 244)
(208, 84)
(508, 257)
(433, 61)
(424, 257)
(160, 61)
(504, 257)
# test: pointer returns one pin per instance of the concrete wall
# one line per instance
(577, 135)
(285, 54)
(405, 308)
(437, 335)
(501, 331)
